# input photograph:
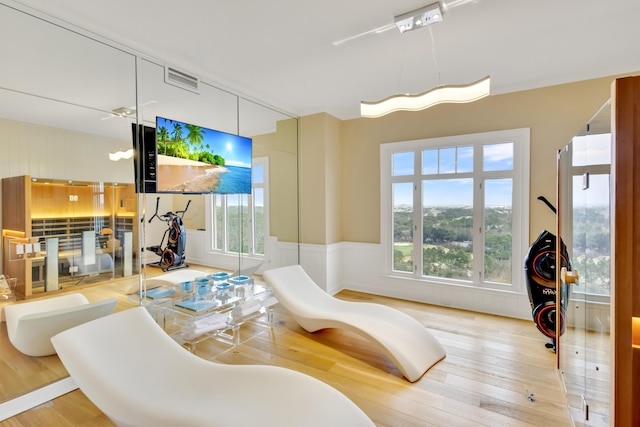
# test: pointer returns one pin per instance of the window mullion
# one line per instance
(417, 215)
(478, 216)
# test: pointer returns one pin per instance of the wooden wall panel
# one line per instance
(16, 222)
(625, 280)
(14, 208)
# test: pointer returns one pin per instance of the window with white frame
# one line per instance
(240, 221)
(455, 209)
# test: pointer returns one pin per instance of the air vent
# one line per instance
(181, 79)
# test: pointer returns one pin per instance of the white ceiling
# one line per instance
(283, 53)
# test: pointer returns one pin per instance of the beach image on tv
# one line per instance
(194, 159)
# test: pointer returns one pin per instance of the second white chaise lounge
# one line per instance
(405, 340)
(31, 324)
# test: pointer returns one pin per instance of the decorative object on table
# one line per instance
(156, 293)
(197, 303)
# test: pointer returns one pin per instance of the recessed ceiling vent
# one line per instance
(181, 79)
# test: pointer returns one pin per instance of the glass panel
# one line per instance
(447, 161)
(591, 150)
(403, 226)
(80, 229)
(570, 346)
(465, 160)
(498, 230)
(591, 233)
(429, 162)
(258, 220)
(218, 221)
(585, 226)
(258, 174)
(447, 214)
(237, 223)
(497, 157)
(402, 164)
(591, 258)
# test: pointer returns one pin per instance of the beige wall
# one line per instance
(281, 147)
(554, 114)
(321, 179)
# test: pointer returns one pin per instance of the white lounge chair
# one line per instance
(405, 340)
(30, 325)
(139, 376)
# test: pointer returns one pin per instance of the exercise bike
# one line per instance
(172, 256)
(540, 270)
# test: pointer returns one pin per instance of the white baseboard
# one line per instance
(13, 407)
(360, 267)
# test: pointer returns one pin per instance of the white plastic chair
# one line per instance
(139, 376)
(405, 340)
(31, 324)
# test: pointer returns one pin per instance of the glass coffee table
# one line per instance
(210, 307)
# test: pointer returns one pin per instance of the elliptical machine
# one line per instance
(540, 269)
(173, 255)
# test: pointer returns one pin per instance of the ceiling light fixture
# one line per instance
(124, 111)
(419, 18)
(441, 94)
(118, 155)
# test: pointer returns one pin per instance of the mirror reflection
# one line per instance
(71, 216)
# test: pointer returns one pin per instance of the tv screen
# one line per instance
(194, 159)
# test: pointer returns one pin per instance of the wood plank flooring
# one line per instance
(497, 371)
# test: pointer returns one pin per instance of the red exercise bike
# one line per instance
(540, 269)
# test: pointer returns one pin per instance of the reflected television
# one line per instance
(190, 159)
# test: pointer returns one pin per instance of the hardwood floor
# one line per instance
(497, 371)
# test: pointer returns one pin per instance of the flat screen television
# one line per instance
(190, 159)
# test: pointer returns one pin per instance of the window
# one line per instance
(240, 220)
(455, 209)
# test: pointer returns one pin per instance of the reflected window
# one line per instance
(239, 220)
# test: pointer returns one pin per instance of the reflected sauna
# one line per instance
(67, 233)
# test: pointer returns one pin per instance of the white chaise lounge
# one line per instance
(139, 376)
(30, 325)
(407, 342)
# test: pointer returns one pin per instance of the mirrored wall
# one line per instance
(69, 102)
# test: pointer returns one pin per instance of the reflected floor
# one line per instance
(66, 281)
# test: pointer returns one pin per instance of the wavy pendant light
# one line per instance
(441, 94)
(438, 95)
